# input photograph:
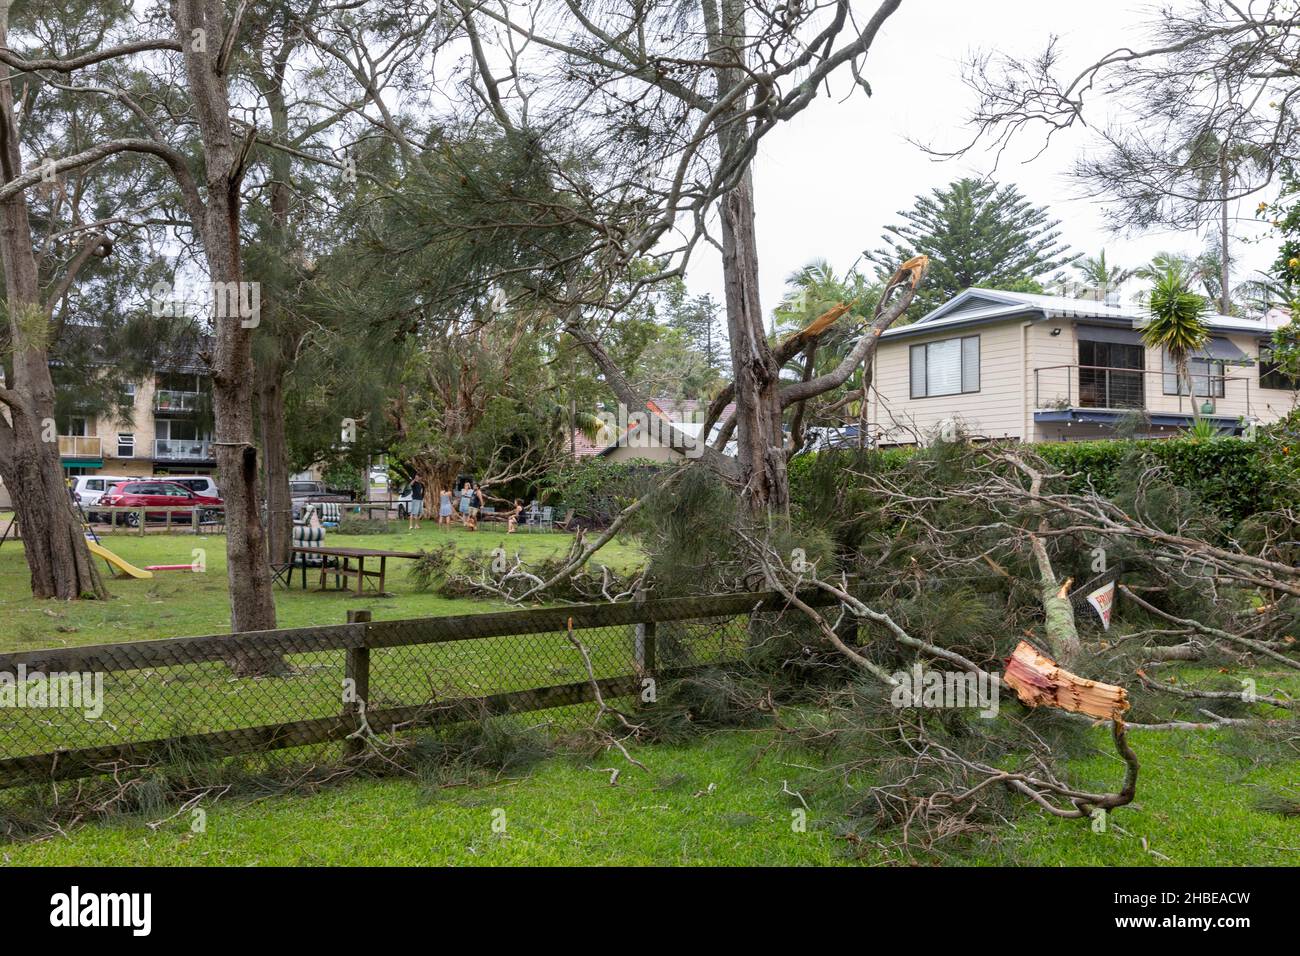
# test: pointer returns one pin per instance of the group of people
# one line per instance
(469, 502)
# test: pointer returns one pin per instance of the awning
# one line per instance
(1108, 333)
(1222, 350)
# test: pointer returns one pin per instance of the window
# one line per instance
(125, 445)
(1270, 375)
(1105, 379)
(946, 367)
(1207, 377)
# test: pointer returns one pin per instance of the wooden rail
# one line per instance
(142, 513)
(358, 637)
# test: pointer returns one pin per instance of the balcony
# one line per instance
(183, 450)
(1103, 394)
(80, 446)
(167, 400)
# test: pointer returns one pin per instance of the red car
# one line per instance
(159, 498)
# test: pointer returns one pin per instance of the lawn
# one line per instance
(717, 801)
(181, 603)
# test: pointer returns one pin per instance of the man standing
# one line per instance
(416, 505)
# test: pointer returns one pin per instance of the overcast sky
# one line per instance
(827, 182)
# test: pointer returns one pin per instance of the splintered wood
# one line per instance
(1038, 681)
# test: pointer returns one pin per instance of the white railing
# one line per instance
(172, 449)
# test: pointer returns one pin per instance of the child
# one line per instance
(512, 519)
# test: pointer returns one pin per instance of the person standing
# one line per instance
(466, 500)
(416, 505)
(444, 507)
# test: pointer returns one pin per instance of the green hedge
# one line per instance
(1238, 478)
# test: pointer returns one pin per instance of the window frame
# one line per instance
(1269, 369)
(961, 367)
(1215, 382)
(125, 439)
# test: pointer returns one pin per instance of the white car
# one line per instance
(199, 484)
(90, 488)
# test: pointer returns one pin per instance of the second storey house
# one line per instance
(1047, 368)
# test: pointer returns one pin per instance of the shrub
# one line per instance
(597, 490)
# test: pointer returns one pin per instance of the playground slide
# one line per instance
(126, 567)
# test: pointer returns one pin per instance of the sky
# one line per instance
(827, 182)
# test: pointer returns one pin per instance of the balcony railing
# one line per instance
(169, 400)
(1107, 387)
(80, 446)
(173, 449)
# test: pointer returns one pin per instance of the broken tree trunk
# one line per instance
(1039, 681)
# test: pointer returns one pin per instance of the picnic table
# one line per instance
(343, 568)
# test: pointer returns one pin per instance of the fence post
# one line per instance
(645, 642)
(144, 520)
(358, 674)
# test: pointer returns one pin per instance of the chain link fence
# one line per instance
(75, 712)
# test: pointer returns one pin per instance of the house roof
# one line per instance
(976, 306)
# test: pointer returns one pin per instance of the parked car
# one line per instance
(303, 493)
(87, 490)
(160, 498)
(199, 484)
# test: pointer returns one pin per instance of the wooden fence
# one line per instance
(231, 682)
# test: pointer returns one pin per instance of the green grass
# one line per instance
(178, 603)
(198, 698)
(718, 801)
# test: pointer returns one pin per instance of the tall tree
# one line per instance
(976, 233)
(208, 173)
(669, 102)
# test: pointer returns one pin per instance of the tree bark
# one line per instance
(275, 463)
(759, 440)
(756, 372)
(252, 605)
(53, 543)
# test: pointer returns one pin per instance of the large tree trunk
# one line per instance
(759, 437)
(252, 605)
(53, 543)
(275, 463)
(756, 373)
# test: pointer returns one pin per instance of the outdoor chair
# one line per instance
(546, 521)
(531, 516)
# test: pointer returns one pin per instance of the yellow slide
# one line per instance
(126, 567)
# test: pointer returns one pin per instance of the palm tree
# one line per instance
(1096, 273)
(1176, 322)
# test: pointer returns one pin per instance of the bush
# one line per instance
(1235, 477)
(597, 490)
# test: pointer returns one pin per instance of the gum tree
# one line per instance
(198, 144)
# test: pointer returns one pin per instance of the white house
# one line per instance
(1048, 368)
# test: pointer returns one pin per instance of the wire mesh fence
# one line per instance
(73, 712)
